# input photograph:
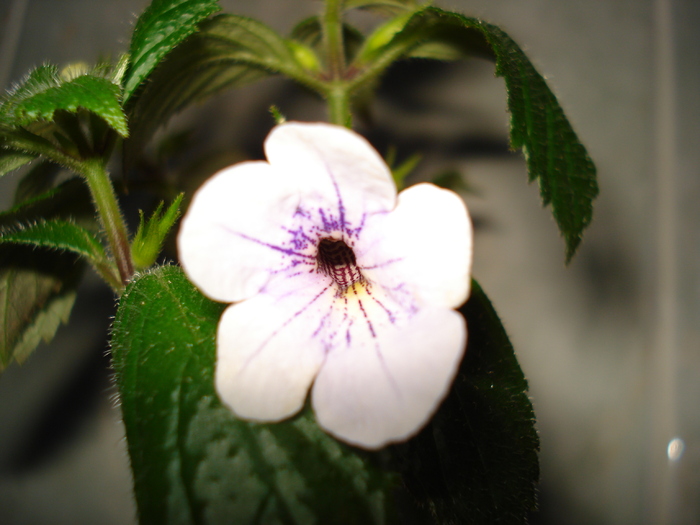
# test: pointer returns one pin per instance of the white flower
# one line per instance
(337, 285)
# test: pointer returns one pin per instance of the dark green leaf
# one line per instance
(309, 33)
(39, 180)
(228, 51)
(24, 141)
(249, 41)
(192, 461)
(37, 292)
(11, 160)
(69, 201)
(476, 462)
(95, 94)
(37, 286)
(58, 235)
(387, 7)
(160, 28)
(555, 156)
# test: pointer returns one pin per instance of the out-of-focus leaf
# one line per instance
(227, 51)
(476, 462)
(39, 180)
(12, 160)
(37, 286)
(554, 154)
(384, 7)
(192, 460)
(37, 292)
(71, 200)
(399, 172)
(308, 32)
(160, 28)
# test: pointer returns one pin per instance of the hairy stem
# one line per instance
(110, 216)
(336, 92)
(333, 38)
(338, 100)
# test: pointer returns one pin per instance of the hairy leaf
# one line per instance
(476, 462)
(554, 154)
(151, 233)
(37, 81)
(57, 235)
(11, 160)
(160, 28)
(44, 93)
(192, 460)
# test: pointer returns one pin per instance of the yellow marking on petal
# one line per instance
(357, 290)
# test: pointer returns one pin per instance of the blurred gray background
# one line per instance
(610, 344)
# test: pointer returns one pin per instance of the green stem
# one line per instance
(110, 216)
(333, 38)
(338, 100)
(336, 92)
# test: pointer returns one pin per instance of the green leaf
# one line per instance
(58, 235)
(11, 160)
(192, 461)
(554, 154)
(227, 51)
(309, 33)
(37, 181)
(95, 94)
(476, 462)
(244, 40)
(160, 28)
(389, 7)
(71, 200)
(37, 81)
(37, 292)
(399, 172)
(37, 286)
(151, 233)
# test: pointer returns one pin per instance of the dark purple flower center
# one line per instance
(337, 260)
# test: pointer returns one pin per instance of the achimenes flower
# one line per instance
(338, 285)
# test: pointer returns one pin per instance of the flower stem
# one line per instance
(338, 100)
(333, 37)
(110, 216)
(336, 92)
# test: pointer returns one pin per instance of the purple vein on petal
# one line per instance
(284, 325)
(341, 205)
(389, 313)
(378, 350)
(381, 264)
(286, 251)
(364, 314)
(322, 323)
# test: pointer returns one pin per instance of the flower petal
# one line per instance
(232, 236)
(337, 170)
(267, 353)
(424, 247)
(385, 388)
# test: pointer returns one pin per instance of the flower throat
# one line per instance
(337, 260)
